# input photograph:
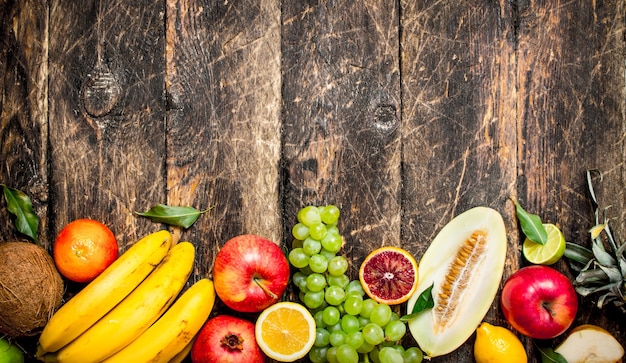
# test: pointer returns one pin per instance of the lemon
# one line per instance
(496, 344)
(548, 253)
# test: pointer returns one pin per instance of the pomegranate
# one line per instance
(226, 339)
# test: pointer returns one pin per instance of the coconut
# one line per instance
(31, 288)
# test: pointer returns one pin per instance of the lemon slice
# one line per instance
(285, 331)
(548, 253)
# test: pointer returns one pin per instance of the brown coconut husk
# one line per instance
(31, 288)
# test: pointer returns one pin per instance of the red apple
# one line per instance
(225, 339)
(539, 302)
(250, 273)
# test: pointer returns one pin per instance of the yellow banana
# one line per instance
(104, 292)
(133, 315)
(174, 331)
(180, 357)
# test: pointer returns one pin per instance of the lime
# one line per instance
(548, 253)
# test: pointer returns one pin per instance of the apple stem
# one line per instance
(259, 282)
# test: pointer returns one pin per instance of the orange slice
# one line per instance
(389, 275)
(285, 331)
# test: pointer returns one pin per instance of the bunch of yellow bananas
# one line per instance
(130, 312)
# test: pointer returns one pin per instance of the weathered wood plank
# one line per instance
(341, 117)
(106, 113)
(223, 135)
(24, 109)
(458, 97)
(572, 117)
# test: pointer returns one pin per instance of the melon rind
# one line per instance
(481, 291)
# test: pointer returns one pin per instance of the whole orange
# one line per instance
(83, 249)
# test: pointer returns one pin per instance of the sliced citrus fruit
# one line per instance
(285, 331)
(389, 275)
(548, 253)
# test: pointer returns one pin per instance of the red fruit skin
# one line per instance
(208, 346)
(539, 302)
(250, 273)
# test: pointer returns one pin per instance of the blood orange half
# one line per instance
(389, 275)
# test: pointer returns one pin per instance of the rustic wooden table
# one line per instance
(403, 113)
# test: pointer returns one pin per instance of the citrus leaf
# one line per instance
(19, 204)
(175, 216)
(548, 355)
(531, 225)
(424, 301)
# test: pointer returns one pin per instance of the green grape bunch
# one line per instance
(350, 326)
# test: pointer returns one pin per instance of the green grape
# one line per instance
(353, 304)
(381, 314)
(373, 355)
(335, 327)
(319, 321)
(315, 282)
(318, 231)
(318, 354)
(349, 323)
(338, 265)
(334, 295)
(306, 270)
(318, 263)
(313, 299)
(309, 215)
(368, 307)
(365, 346)
(332, 241)
(296, 243)
(331, 355)
(331, 315)
(373, 334)
(311, 246)
(337, 338)
(297, 278)
(322, 337)
(300, 231)
(330, 214)
(354, 287)
(395, 330)
(363, 321)
(355, 339)
(413, 355)
(328, 254)
(390, 355)
(341, 281)
(347, 354)
(298, 258)
(332, 229)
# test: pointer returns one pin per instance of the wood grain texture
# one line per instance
(341, 118)
(571, 103)
(223, 135)
(459, 116)
(24, 109)
(109, 164)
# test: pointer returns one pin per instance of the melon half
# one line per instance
(464, 264)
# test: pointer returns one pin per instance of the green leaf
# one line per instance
(548, 355)
(423, 302)
(19, 204)
(175, 216)
(531, 225)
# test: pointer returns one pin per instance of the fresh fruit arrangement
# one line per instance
(127, 310)
(350, 325)
(135, 308)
